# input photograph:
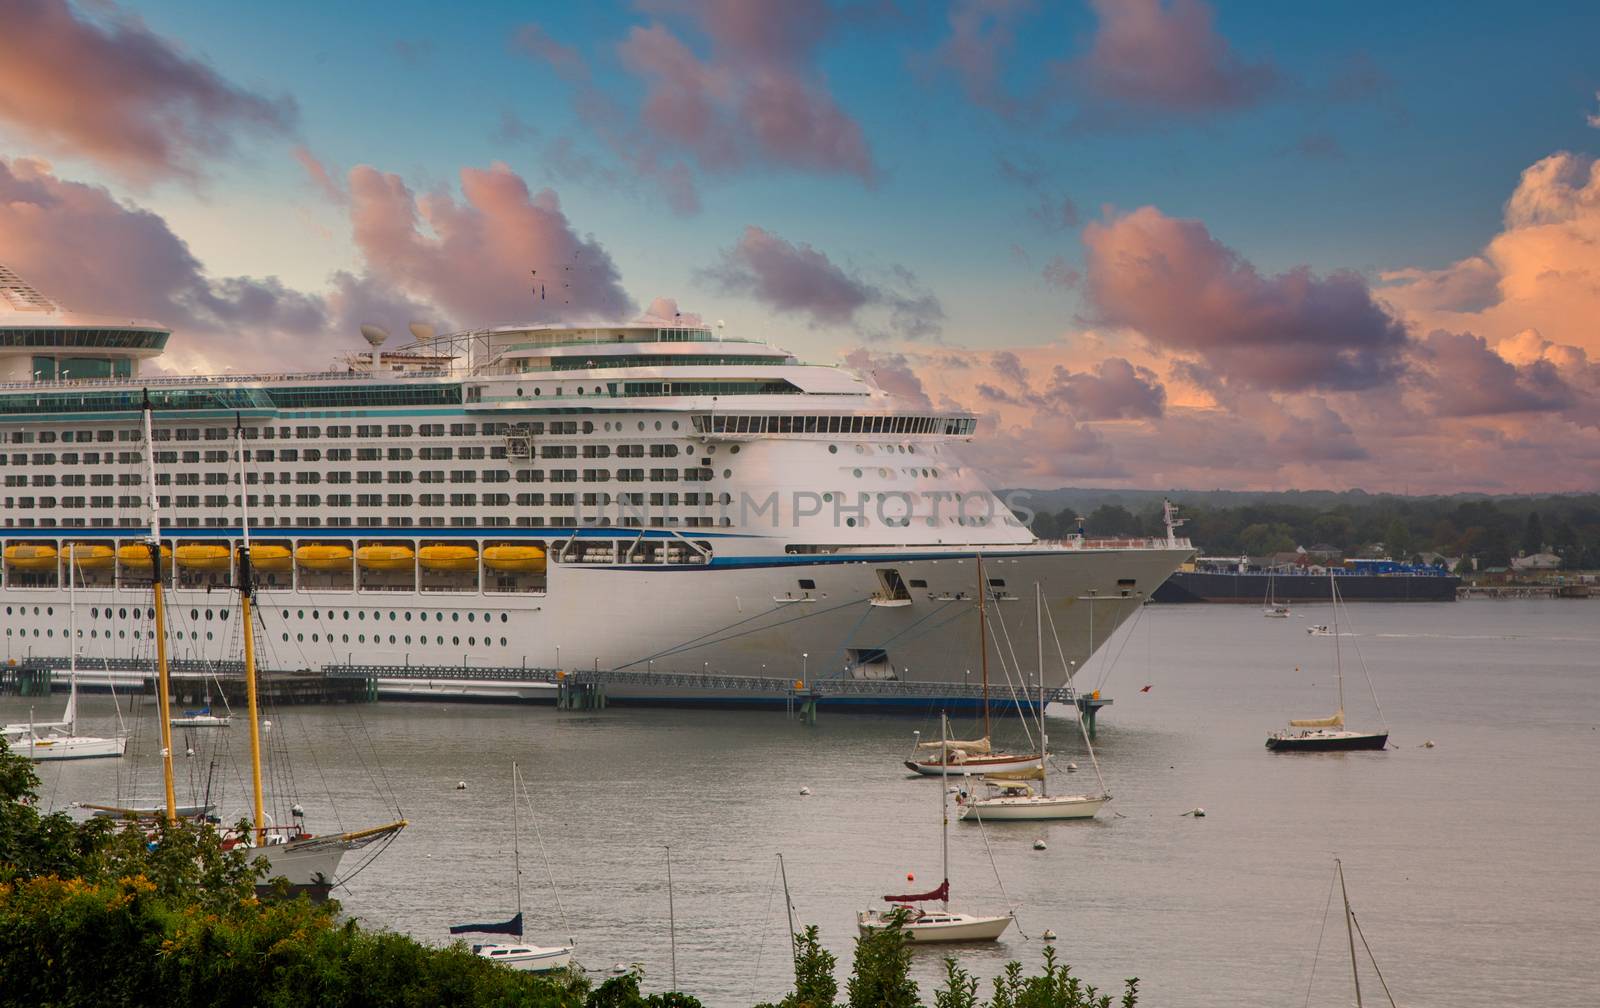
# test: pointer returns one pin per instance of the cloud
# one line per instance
(318, 174)
(756, 100)
(119, 95)
(1541, 271)
(1057, 273)
(99, 255)
(534, 41)
(1593, 119)
(982, 35)
(792, 277)
(1155, 57)
(1050, 209)
(473, 257)
(1189, 294)
(1114, 390)
(1468, 379)
(665, 309)
(512, 129)
(893, 373)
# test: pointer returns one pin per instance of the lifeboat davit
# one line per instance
(137, 555)
(385, 558)
(90, 556)
(31, 557)
(271, 558)
(448, 558)
(514, 559)
(324, 558)
(202, 556)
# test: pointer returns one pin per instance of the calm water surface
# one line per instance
(1472, 864)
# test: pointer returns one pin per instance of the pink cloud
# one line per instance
(1115, 390)
(1189, 294)
(115, 93)
(757, 96)
(319, 176)
(99, 255)
(982, 35)
(533, 40)
(1166, 57)
(798, 278)
(665, 309)
(1472, 284)
(1465, 378)
(473, 257)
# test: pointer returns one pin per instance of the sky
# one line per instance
(1151, 243)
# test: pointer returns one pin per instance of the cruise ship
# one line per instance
(652, 497)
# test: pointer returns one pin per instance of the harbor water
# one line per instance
(1472, 864)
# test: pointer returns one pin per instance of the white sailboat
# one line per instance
(975, 755)
(1272, 608)
(527, 958)
(942, 925)
(1012, 798)
(61, 740)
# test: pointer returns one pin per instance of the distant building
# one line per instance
(1536, 562)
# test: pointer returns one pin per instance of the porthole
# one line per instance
(502, 642)
(391, 638)
(408, 618)
(455, 617)
(734, 450)
(408, 638)
(519, 390)
(504, 618)
(658, 425)
(850, 522)
(423, 617)
(361, 615)
(347, 614)
(726, 473)
(345, 638)
(537, 390)
(674, 425)
(833, 449)
(471, 617)
(392, 616)
(300, 637)
(455, 640)
(361, 638)
(472, 642)
(285, 637)
(857, 473)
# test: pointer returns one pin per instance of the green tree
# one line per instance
(814, 983)
(1397, 539)
(881, 973)
(1533, 534)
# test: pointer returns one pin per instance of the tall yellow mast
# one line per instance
(163, 678)
(246, 591)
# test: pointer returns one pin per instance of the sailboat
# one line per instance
(1272, 608)
(974, 755)
(61, 740)
(1013, 798)
(1329, 734)
(309, 863)
(1352, 930)
(944, 924)
(528, 958)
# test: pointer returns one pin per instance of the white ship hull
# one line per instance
(527, 958)
(1033, 807)
(937, 926)
(69, 747)
(694, 622)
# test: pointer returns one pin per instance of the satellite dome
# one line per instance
(422, 331)
(374, 335)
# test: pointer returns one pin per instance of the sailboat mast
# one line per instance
(163, 675)
(1349, 931)
(983, 646)
(516, 835)
(944, 801)
(246, 592)
(788, 906)
(1044, 743)
(72, 641)
(1338, 662)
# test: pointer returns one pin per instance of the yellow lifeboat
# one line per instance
(448, 558)
(271, 558)
(514, 559)
(137, 556)
(90, 556)
(324, 558)
(31, 557)
(202, 556)
(385, 558)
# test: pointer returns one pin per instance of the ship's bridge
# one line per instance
(40, 341)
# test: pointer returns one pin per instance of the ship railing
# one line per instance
(220, 379)
(1139, 543)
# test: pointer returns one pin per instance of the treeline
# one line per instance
(96, 913)
(1492, 530)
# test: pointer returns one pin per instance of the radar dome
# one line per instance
(422, 331)
(374, 335)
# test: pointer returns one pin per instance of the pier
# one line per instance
(191, 682)
(595, 689)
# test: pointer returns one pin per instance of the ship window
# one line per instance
(807, 584)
